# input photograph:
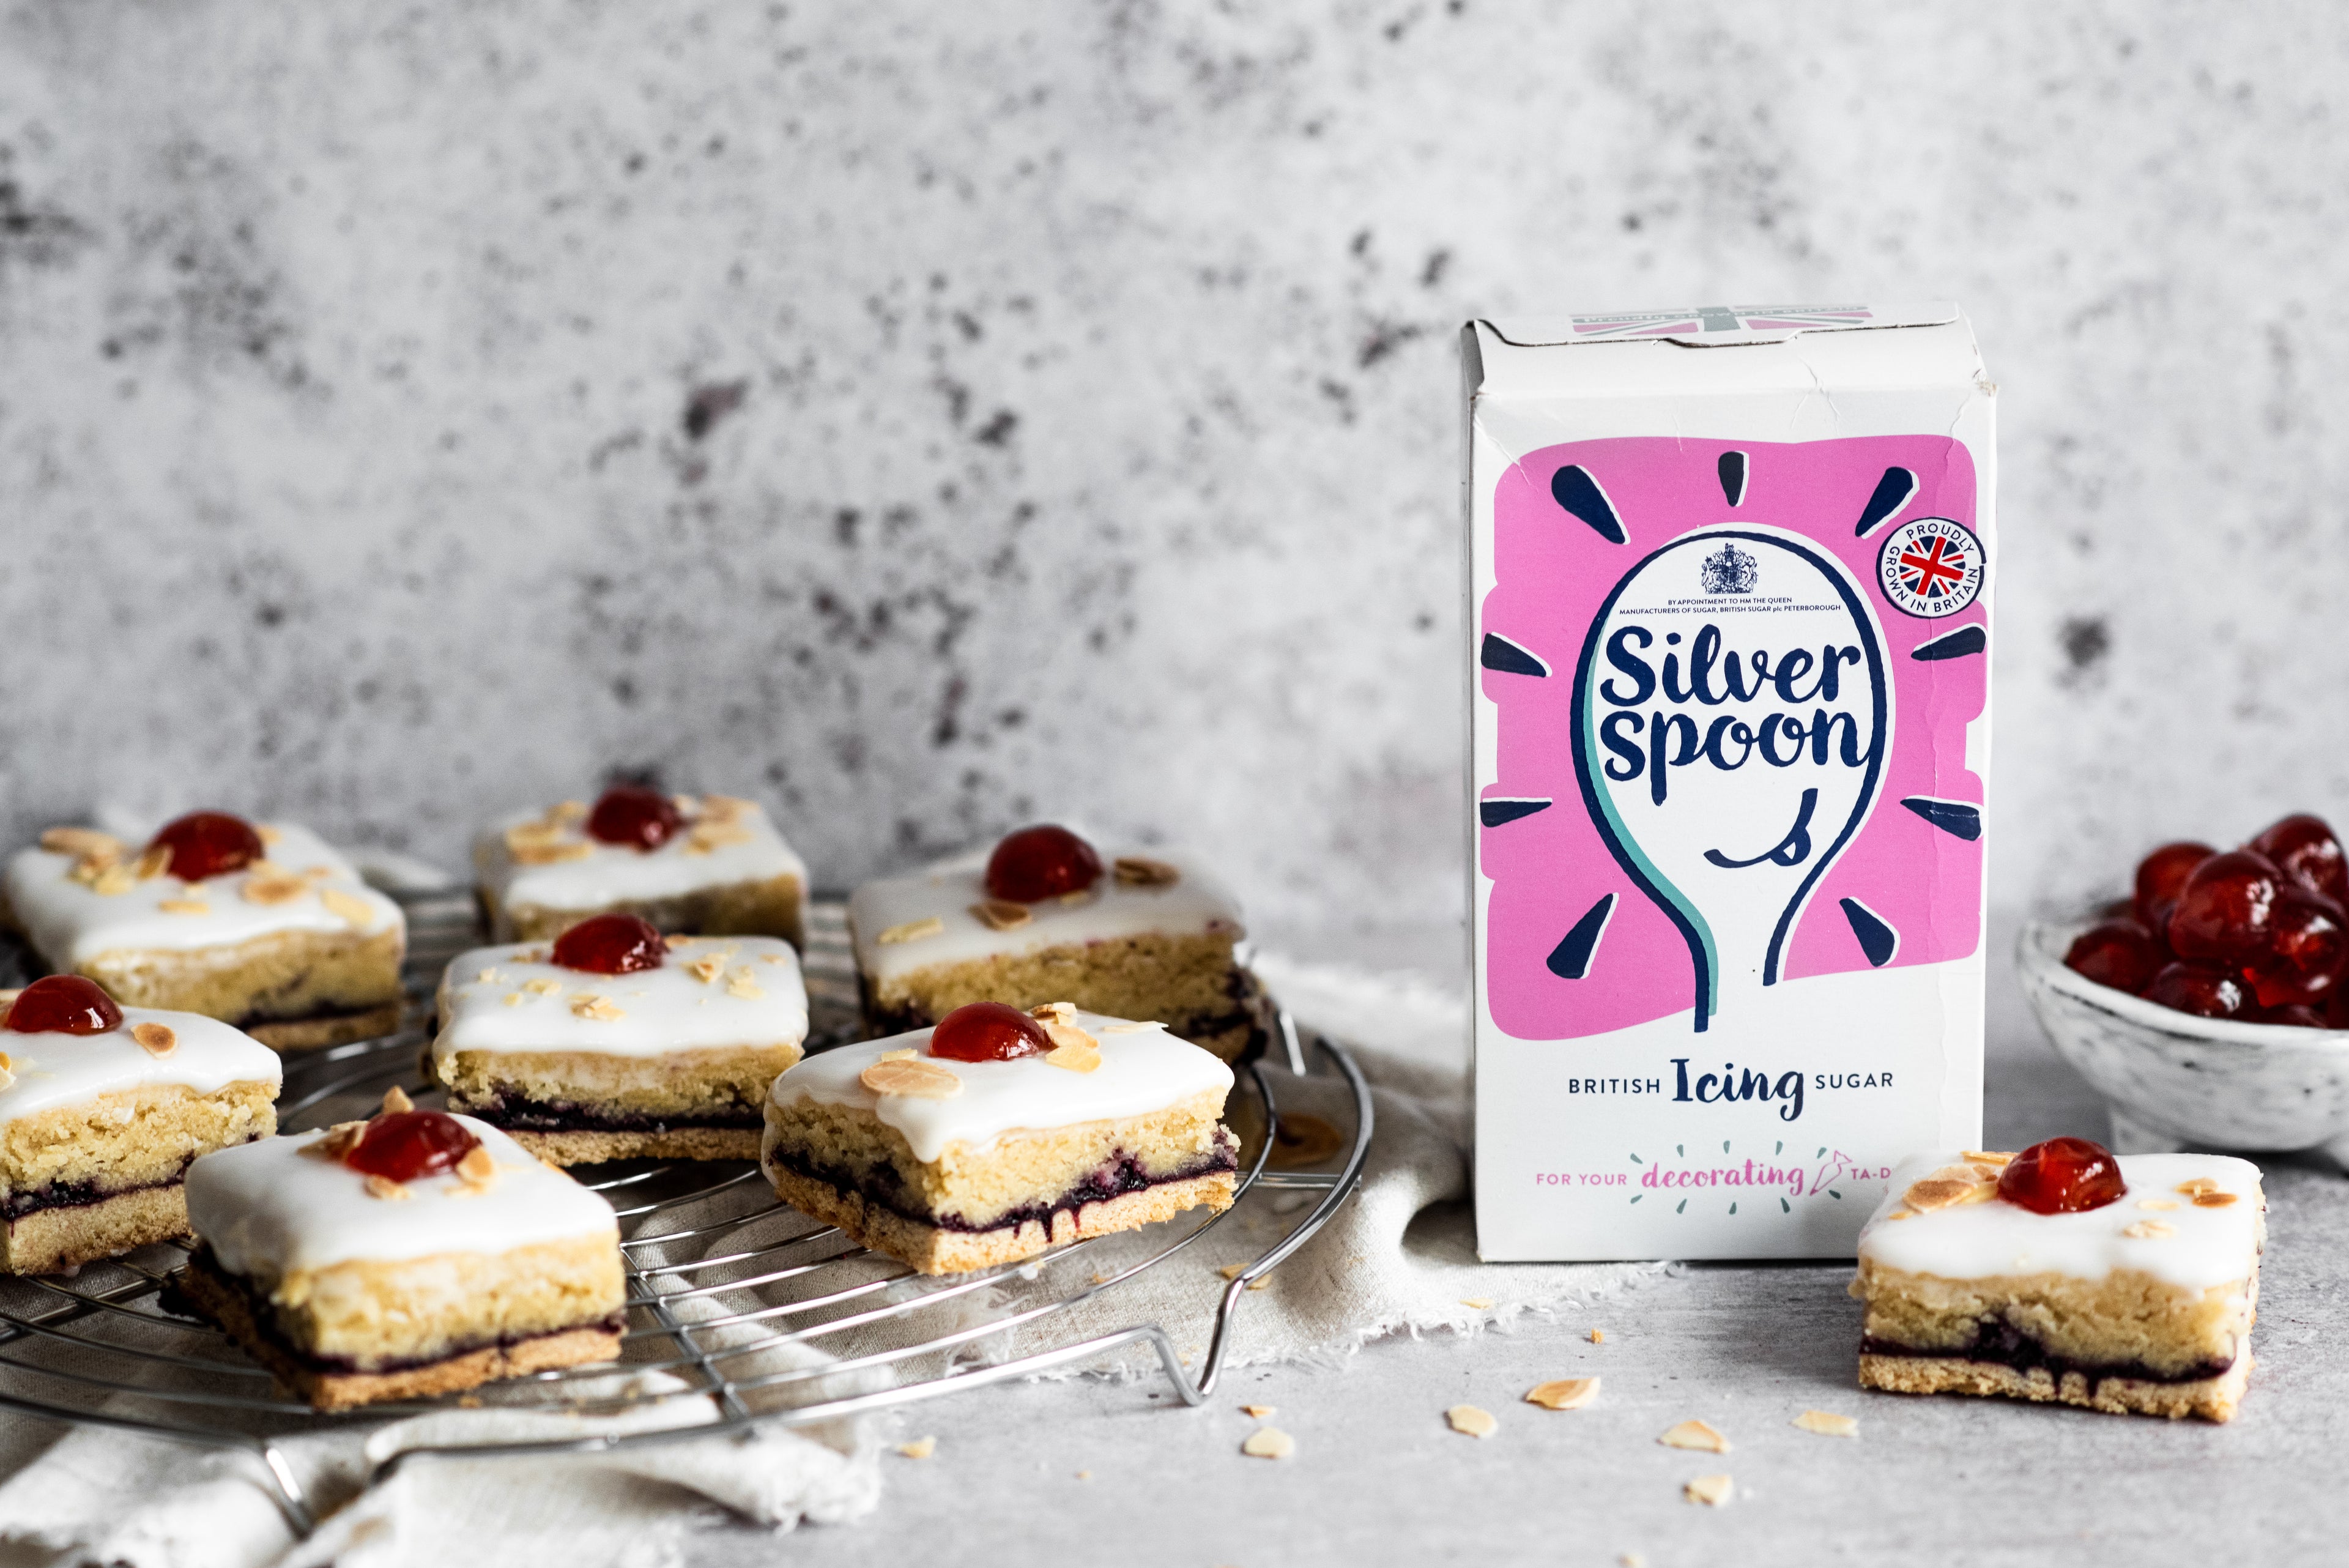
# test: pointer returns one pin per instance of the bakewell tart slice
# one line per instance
(101, 1109)
(711, 864)
(1047, 917)
(2123, 1283)
(613, 1041)
(261, 925)
(410, 1254)
(1000, 1134)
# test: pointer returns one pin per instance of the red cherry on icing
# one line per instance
(2306, 950)
(401, 1146)
(988, 1032)
(1038, 863)
(2061, 1176)
(2304, 849)
(639, 817)
(2203, 989)
(611, 944)
(208, 844)
(2120, 953)
(2226, 911)
(2160, 874)
(63, 1005)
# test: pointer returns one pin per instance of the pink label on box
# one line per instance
(1733, 682)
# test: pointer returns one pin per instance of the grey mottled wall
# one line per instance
(929, 417)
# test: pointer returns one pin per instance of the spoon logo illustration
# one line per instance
(1731, 715)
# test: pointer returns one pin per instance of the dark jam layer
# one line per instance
(1119, 1174)
(519, 1112)
(2001, 1344)
(80, 1194)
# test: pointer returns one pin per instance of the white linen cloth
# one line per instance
(1399, 1257)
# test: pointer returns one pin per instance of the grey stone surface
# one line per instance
(929, 417)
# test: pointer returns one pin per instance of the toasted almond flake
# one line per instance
(8, 1063)
(1563, 1393)
(2156, 1203)
(554, 854)
(153, 862)
(1083, 1058)
(183, 906)
(542, 986)
(706, 967)
(745, 985)
(396, 1101)
(1264, 1283)
(1233, 1271)
(1269, 1443)
(2213, 1199)
(478, 1168)
(155, 1039)
(1471, 1420)
(1054, 1012)
(349, 907)
(725, 807)
(1085, 1475)
(602, 1009)
(1598, 1336)
(904, 1055)
(1140, 871)
(2197, 1186)
(6, 1077)
(917, 1079)
(268, 834)
(1002, 914)
(706, 835)
(487, 977)
(566, 811)
(1987, 1156)
(264, 888)
(523, 834)
(1632, 1560)
(1712, 1491)
(339, 1141)
(1258, 1412)
(1827, 1424)
(1130, 1028)
(515, 999)
(1693, 1434)
(1939, 1192)
(1479, 1303)
(919, 1448)
(2148, 1230)
(384, 1186)
(83, 843)
(1082, 896)
(911, 932)
(1903, 1214)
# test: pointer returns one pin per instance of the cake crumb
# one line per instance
(1598, 1336)
(1471, 1420)
(1140, 871)
(155, 1039)
(1694, 1434)
(1258, 1412)
(2150, 1231)
(1269, 1443)
(916, 1079)
(2213, 1199)
(1827, 1424)
(384, 1186)
(1563, 1393)
(912, 930)
(601, 1008)
(1002, 914)
(1714, 1491)
(919, 1448)
(183, 906)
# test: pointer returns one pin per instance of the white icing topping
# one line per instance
(1142, 1070)
(1109, 910)
(753, 995)
(71, 923)
(268, 1209)
(1978, 1240)
(207, 1056)
(609, 874)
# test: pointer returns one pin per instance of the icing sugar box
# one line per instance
(1729, 732)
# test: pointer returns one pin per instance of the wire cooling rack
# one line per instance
(103, 1347)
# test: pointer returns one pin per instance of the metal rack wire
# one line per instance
(740, 1304)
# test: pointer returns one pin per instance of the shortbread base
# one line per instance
(672, 1143)
(774, 907)
(53, 1241)
(295, 976)
(2212, 1398)
(930, 1250)
(328, 1028)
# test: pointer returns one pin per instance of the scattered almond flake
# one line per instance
(919, 1448)
(1103, 1279)
(1598, 1336)
(566, 811)
(315, 873)
(183, 906)
(1233, 1271)
(1085, 1475)
(542, 986)
(1632, 1560)
(1478, 1304)
(513, 999)
(486, 977)
(261, 887)
(687, 805)
(1939, 1192)
(6, 1077)
(1258, 1412)
(349, 907)
(1002, 914)
(338, 1141)
(153, 862)
(524, 834)
(8, 1063)
(268, 834)
(1264, 1283)
(1085, 1059)
(602, 1009)
(396, 1101)
(905, 1056)
(1269, 1443)
(551, 1166)
(2197, 1186)
(478, 1170)
(2213, 1199)
(1903, 1214)
(155, 1039)
(1082, 896)
(1714, 1492)
(1986, 1155)
(1564, 1393)
(1693, 1434)
(706, 967)
(1827, 1424)
(384, 1186)
(770, 957)
(706, 835)
(87, 872)
(1130, 1028)
(725, 807)
(911, 931)
(745, 985)
(82, 844)
(2150, 1231)
(1140, 871)
(917, 1079)
(2156, 1203)
(1471, 1420)
(553, 854)
(1054, 1012)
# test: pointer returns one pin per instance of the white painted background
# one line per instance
(1095, 450)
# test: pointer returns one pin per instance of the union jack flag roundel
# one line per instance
(1931, 567)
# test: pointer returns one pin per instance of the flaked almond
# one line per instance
(153, 862)
(268, 834)
(916, 1079)
(1693, 1434)
(1082, 896)
(348, 908)
(1941, 1192)
(904, 1055)
(911, 931)
(2156, 1203)
(553, 854)
(724, 807)
(385, 1187)
(477, 1169)
(742, 984)
(340, 1139)
(704, 837)
(542, 986)
(1140, 871)
(1269, 1443)
(1986, 1157)
(183, 906)
(521, 835)
(264, 888)
(1563, 1393)
(919, 1448)
(112, 881)
(1477, 1304)
(86, 871)
(1258, 1412)
(1471, 1420)
(1054, 1012)
(2150, 1231)
(515, 999)
(1827, 1424)
(602, 1009)
(155, 1039)
(2197, 1186)
(706, 967)
(6, 1077)
(1714, 1491)
(1902, 1214)
(1233, 1271)
(566, 811)
(487, 977)
(1002, 914)
(1598, 1336)
(1085, 1059)
(396, 1100)
(2213, 1199)
(83, 843)
(1131, 1028)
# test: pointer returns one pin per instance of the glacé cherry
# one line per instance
(635, 816)
(2303, 847)
(2120, 953)
(2206, 990)
(611, 944)
(63, 1005)
(2160, 874)
(988, 1032)
(401, 1146)
(2304, 952)
(2061, 1176)
(208, 844)
(2226, 911)
(1042, 862)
